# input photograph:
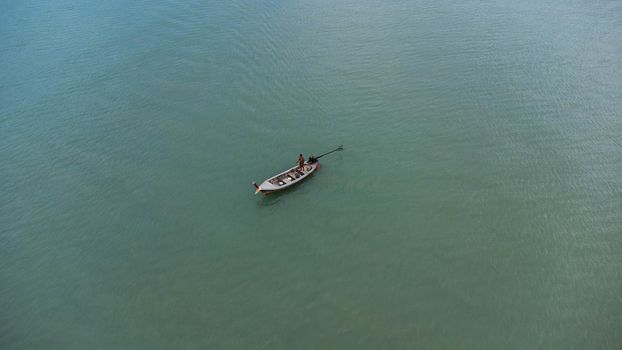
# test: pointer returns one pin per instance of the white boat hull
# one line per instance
(287, 178)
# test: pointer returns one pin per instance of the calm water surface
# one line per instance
(478, 203)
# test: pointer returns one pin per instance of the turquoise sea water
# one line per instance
(477, 204)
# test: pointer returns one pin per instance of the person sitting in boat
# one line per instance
(301, 162)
